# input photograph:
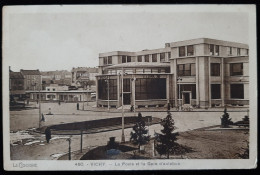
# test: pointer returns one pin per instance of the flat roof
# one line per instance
(208, 41)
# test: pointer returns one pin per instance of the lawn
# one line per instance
(199, 144)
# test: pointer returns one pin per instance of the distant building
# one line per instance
(83, 74)
(62, 77)
(55, 92)
(32, 79)
(200, 72)
(16, 85)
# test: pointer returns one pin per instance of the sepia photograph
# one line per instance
(136, 87)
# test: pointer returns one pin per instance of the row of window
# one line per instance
(190, 70)
(184, 70)
(145, 88)
(236, 91)
(213, 50)
(138, 71)
(140, 58)
(155, 88)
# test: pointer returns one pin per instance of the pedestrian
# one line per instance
(132, 108)
(48, 134)
(169, 106)
(59, 102)
(43, 118)
(77, 106)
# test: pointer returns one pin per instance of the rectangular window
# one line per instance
(236, 69)
(217, 50)
(182, 51)
(128, 59)
(169, 55)
(154, 58)
(162, 57)
(190, 50)
(238, 51)
(186, 69)
(146, 58)
(139, 71)
(110, 60)
(139, 58)
(215, 69)
(237, 91)
(211, 49)
(215, 91)
(154, 70)
(150, 88)
(229, 50)
(123, 59)
(126, 85)
(147, 71)
(187, 87)
(105, 60)
(103, 89)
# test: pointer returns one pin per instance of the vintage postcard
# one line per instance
(129, 87)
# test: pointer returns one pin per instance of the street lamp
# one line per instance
(178, 80)
(123, 122)
(34, 85)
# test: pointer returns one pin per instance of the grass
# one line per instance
(197, 144)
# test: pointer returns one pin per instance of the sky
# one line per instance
(62, 39)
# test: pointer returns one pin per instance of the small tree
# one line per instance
(139, 134)
(225, 120)
(167, 140)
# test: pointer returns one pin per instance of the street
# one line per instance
(25, 146)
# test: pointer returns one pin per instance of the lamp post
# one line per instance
(123, 120)
(40, 108)
(34, 85)
(179, 79)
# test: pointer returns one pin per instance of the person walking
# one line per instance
(168, 107)
(48, 134)
(77, 106)
(43, 118)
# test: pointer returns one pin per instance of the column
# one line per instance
(167, 89)
(118, 91)
(197, 82)
(175, 81)
(96, 91)
(222, 83)
(133, 91)
(209, 81)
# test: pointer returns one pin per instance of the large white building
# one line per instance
(200, 72)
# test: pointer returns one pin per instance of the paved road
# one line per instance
(66, 113)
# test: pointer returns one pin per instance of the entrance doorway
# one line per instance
(186, 97)
(127, 98)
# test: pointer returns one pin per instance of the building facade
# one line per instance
(82, 76)
(32, 80)
(16, 85)
(62, 78)
(54, 92)
(200, 72)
